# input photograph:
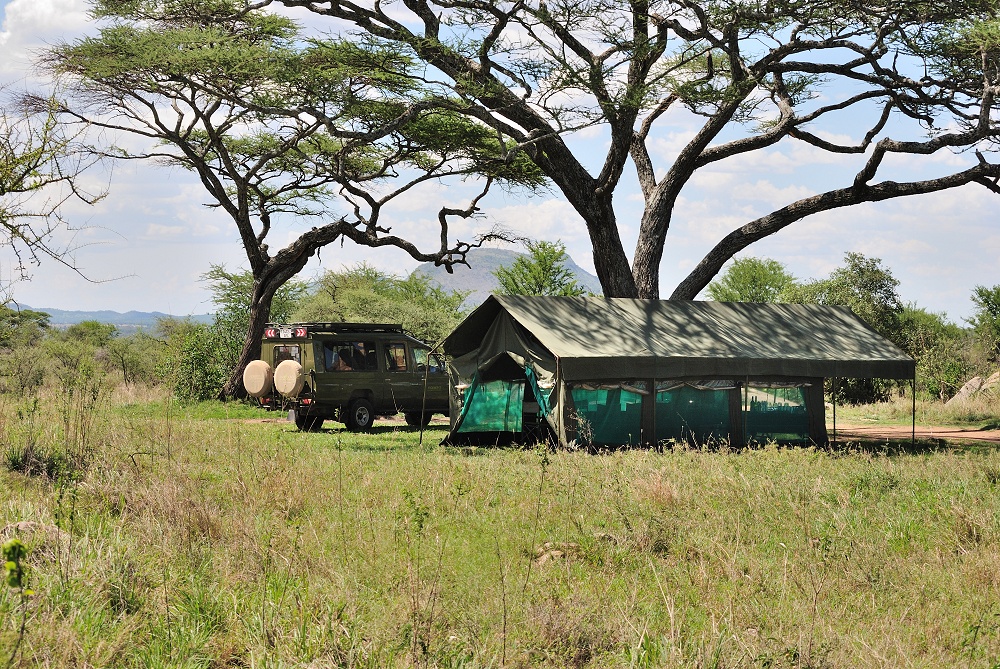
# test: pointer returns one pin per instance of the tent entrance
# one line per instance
(503, 402)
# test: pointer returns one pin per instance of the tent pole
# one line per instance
(423, 402)
(746, 408)
(913, 415)
(835, 409)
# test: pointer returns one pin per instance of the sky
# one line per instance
(145, 246)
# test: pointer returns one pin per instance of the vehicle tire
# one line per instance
(418, 419)
(289, 379)
(258, 379)
(360, 415)
(308, 423)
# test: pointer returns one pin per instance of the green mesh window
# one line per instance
(689, 413)
(777, 414)
(494, 406)
(608, 416)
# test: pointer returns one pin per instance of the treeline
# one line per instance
(947, 354)
(193, 359)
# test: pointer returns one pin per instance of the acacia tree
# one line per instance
(757, 73)
(40, 166)
(280, 130)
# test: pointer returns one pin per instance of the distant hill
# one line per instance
(480, 280)
(127, 322)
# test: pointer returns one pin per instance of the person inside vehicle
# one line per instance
(340, 363)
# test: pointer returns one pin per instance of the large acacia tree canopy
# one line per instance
(316, 135)
(907, 77)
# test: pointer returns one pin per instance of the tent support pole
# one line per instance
(746, 408)
(835, 409)
(913, 414)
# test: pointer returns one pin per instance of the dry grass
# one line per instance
(982, 410)
(199, 542)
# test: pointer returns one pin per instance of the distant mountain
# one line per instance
(480, 280)
(126, 323)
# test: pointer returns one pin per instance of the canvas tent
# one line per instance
(615, 371)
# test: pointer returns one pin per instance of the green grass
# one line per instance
(190, 541)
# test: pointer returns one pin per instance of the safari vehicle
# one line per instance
(349, 372)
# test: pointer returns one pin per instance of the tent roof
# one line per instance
(602, 338)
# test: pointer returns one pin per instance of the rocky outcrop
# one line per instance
(976, 386)
(991, 384)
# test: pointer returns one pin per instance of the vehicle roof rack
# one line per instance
(342, 327)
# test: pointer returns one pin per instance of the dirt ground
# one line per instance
(902, 432)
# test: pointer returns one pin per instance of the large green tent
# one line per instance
(615, 371)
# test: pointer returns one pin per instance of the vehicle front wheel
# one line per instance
(308, 423)
(417, 418)
(360, 415)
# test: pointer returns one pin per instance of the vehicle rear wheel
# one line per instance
(416, 418)
(308, 423)
(360, 415)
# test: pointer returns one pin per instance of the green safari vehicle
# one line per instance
(348, 372)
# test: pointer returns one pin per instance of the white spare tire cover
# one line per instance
(258, 378)
(289, 379)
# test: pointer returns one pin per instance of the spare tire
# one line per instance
(258, 379)
(289, 379)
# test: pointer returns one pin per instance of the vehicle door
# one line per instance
(402, 389)
(436, 379)
(347, 368)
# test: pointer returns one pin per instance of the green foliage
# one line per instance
(751, 280)
(940, 349)
(870, 290)
(203, 356)
(986, 319)
(21, 327)
(13, 553)
(367, 295)
(93, 333)
(864, 285)
(542, 272)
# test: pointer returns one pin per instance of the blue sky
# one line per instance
(146, 244)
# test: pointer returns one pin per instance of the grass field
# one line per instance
(982, 411)
(201, 536)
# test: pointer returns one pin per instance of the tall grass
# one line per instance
(198, 542)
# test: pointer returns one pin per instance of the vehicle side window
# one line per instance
(422, 356)
(338, 356)
(350, 356)
(282, 353)
(395, 358)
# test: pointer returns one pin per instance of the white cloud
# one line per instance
(175, 231)
(31, 24)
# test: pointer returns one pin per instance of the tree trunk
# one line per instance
(610, 260)
(260, 313)
(272, 276)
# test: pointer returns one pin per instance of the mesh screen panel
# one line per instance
(689, 413)
(494, 406)
(608, 416)
(777, 413)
